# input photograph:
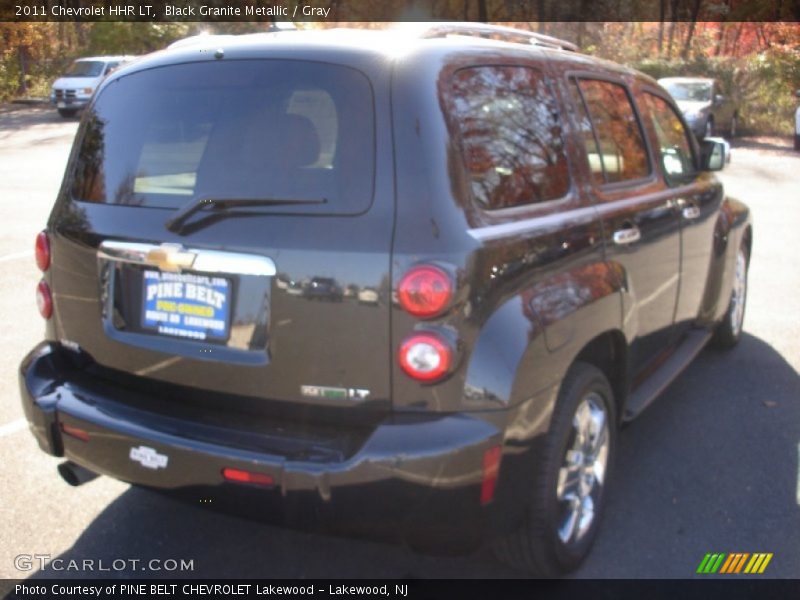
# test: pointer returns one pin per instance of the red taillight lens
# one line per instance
(425, 291)
(44, 300)
(240, 476)
(491, 469)
(425, 356)
(43, 251)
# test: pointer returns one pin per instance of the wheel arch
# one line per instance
(609, 353)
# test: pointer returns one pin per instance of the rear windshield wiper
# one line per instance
(179, 219)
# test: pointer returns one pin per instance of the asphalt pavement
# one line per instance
(713, 466)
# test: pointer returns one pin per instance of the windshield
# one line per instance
(231, 129)
(85, 68)
(695, 91)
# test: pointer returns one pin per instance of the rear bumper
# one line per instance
(415, 479)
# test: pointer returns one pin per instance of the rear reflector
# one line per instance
(43, 251)
(78, 434)
(44, 299)
(491, 469)
(425, 356)
(240, 476)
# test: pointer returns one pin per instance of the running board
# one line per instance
(658, 381)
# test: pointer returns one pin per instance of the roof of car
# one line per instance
(395, 44)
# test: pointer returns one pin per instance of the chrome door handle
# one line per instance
(690, 212)
(623, 237)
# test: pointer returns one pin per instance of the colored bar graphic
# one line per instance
(728, 562)
(765, 563)
(741, 562)
(726, 567)
(711, 563)
(716, 565)
(734, 563)
(702, 567)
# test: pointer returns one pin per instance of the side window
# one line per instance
(622, 152)
(511, 136)
(587, 134)
(674, 147)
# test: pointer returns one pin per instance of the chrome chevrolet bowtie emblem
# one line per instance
(170, 257)
(148, 457)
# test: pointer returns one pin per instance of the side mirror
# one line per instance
(712, 155)
(719, 99)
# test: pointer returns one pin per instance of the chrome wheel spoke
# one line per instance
(598, 430)
(739, 293)
(599, 466)
(586, 517)
(583, 468)
(581, 424)
(570, 524)
(568, 482)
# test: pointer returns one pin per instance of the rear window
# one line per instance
(245, 129)
(511, 135)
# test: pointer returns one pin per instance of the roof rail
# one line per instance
(506, 34)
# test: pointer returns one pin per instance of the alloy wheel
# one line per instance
(739, 293)
(583, 469)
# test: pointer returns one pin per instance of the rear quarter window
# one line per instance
(231, 129)
(510, 135)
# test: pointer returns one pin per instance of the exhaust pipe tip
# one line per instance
(75, 475)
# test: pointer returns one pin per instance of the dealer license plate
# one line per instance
(185, 305)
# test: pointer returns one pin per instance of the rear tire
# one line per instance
(729, 331)
(569, 479)
(67, 113)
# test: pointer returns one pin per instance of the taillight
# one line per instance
(44, 300)
(425, 356)
(43, 251)
(491, 470)
(425, 291)
(241, 476)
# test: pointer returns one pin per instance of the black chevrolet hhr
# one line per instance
(537, 232)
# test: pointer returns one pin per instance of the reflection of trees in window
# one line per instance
(587, 134)
(124, 194)
(622, 150)
(676, 153)
(510, 135)
(89, 184)
(72, 217)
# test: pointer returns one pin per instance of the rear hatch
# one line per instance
(204, 204)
